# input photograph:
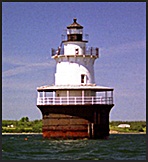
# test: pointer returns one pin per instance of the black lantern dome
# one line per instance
(74, 31)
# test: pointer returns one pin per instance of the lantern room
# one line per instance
(74, 31)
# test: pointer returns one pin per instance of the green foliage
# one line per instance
(24, 119)
(26, 126)
(22, 126)
(135, 126)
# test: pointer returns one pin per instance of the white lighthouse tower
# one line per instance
(76, 65)
(75, 107)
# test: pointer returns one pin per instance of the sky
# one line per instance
(31, 29)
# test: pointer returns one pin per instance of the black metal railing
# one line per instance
(88, 51)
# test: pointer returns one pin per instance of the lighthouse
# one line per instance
(75, 107)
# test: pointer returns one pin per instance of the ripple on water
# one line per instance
(118, 147)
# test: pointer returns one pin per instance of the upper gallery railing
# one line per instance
(88, 51)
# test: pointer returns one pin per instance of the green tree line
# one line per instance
(24, 125)
(21, 126)
(135, 126)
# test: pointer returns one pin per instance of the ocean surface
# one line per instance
(34, 147)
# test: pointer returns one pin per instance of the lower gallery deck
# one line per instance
(74, 95)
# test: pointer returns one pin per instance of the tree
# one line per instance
(24, 119)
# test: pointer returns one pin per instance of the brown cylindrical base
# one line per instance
(76, 122)
(64, 126)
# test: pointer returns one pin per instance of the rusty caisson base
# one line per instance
(75, 121)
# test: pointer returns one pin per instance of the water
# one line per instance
(34, 147)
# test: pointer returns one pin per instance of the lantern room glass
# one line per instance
(74, 31)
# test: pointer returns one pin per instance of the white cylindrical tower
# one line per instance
(75, 62)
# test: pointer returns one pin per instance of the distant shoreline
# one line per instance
(21, 133)
(111, 132)
(127, 132)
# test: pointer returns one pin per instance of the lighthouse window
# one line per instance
(82, 78)
(77, 51)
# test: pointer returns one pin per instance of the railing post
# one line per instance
(91, 49)
(112, 96)
(83, 97)
(92, 100)
(53, 98)
(75, 100)
(38, 94)
(43, 97)
(105, 97)
(52, 52)
(97, 52)
(67, 97)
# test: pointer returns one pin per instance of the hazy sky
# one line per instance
(30, 30)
